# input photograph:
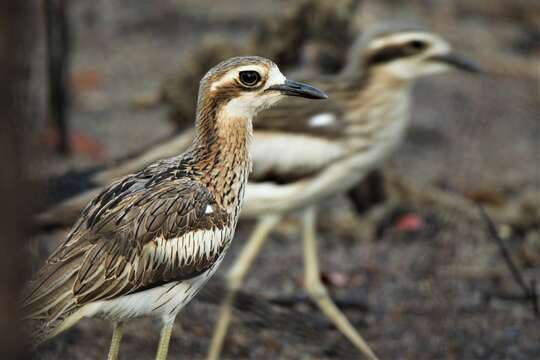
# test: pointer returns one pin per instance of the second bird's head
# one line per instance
(242, 86)
(407, 53)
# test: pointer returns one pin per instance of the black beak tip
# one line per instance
(459, 62)
(477, 69)
(317, 94)
(471, 66)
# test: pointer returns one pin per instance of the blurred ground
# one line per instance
(435, 291)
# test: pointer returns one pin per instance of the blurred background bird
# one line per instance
(304, 154)
(148, 243)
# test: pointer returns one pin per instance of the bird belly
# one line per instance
(164, 301)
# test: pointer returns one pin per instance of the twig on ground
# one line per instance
(342, 302)
(529, 290)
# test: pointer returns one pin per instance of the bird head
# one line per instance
(242, 86)
(409, 54)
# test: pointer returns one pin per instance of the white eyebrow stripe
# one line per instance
(323, 119)
(233, 73)
(399, 38)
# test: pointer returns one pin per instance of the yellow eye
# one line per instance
(249, 78)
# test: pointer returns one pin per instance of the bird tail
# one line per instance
(48, 301)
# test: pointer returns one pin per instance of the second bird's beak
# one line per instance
(457, 61)
(294, 88)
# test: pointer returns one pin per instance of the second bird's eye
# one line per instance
(249, 78)
(417, 44)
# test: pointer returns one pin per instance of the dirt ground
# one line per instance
(439, 290)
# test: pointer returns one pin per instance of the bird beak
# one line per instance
(293, 88)
(457, 61)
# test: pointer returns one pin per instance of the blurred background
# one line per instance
(104, 80)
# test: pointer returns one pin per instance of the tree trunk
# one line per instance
(17, 40)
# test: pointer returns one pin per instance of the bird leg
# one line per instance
(235, 277)
(318, 292)
(164, 340)
(115, 341)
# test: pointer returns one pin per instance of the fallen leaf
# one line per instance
(335, 279)
(410, 222)
(85, 80)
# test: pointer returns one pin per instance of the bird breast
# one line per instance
(199, 245)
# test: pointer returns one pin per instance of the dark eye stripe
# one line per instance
(394, 52)
(417, 44)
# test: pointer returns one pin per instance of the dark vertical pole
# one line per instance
(17, 37)
(368, 193)
(57, 38)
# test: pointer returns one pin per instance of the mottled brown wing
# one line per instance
(141, 256)
(122, 244)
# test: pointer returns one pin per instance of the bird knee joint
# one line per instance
(316, 290)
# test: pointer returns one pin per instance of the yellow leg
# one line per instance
(318, 292)
(235, 278)
(164, 340)
(115, 341)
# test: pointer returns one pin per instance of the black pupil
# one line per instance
(417, 44)
(249, 77)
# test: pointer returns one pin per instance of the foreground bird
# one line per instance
(148, 243)
(302, 154)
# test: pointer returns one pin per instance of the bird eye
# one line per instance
(417, 44)
(249, 78)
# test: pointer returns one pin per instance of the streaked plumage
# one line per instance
(147, 243)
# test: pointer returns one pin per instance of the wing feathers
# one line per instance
(131, 237)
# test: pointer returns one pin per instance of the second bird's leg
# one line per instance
(318, 291)
(115, 341)
(235, 277)
(164, 339)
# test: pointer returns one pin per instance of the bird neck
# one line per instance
(381, 77)
(377, 111)
(380, 97)
(221, 150)
(385, 91)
